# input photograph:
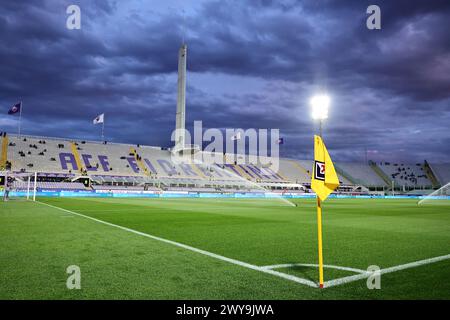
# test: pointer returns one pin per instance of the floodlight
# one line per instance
(320, 104)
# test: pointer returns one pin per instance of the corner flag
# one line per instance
(324, 181)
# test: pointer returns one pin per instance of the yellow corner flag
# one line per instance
(324, 181)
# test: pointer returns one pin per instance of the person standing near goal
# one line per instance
(6, 193)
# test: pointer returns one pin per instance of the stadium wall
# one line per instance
(164, 194)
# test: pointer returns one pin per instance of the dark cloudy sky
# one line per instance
(251, 64)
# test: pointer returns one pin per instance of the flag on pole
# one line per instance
(99, 119)
(324, 179)
(15, 108)
(235, 137)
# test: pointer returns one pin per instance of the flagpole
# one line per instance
(20, 116)
(319, 227)
(327, 181)
(103, 129)
(319, 236)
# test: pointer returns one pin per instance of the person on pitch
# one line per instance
(6, 193)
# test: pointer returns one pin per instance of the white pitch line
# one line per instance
(288, 265)
(367, 274)
(268, 269)
(184, 246)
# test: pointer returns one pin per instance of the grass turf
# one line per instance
(38, 242)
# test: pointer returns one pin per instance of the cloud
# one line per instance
(250, 64)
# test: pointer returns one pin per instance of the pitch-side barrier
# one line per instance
(188, 194)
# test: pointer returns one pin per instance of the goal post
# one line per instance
(35, 186)
(28, 188)
(18, 185)
(438, 197)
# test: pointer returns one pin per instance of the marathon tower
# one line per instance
(181, 99)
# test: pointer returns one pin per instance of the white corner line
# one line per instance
(288, 265)
(400, 267)
(187, 247)
(362, 274)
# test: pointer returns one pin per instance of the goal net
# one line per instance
(18, 186)
(438, 197)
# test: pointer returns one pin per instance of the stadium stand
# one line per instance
(408, 175)
(442, 172)
(431, 175)
(21, 185)
(113, 166)
(31, 154)
(4, 151)
(361, 173)
(129, 188)
(294, 172)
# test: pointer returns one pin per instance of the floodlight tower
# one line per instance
(181, 99)
(320, 104)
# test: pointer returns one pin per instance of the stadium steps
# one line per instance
(198, 171)
(4, 157)
(298, 166)
(431, 175)
(242, 172)
(140, 163)
(380, 173)
(282, 176)
(346, 176)
(73, 148)
(237, 168)
(442, 172)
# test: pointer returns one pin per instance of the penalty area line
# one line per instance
(187, 247)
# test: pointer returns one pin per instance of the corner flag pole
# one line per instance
(319, 229)
(319, 236)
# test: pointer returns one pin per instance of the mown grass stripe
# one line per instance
(187, 247)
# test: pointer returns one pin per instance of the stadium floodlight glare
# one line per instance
(320, 105)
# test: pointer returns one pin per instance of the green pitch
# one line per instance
(38, 242)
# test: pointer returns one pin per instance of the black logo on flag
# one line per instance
(319, 170)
